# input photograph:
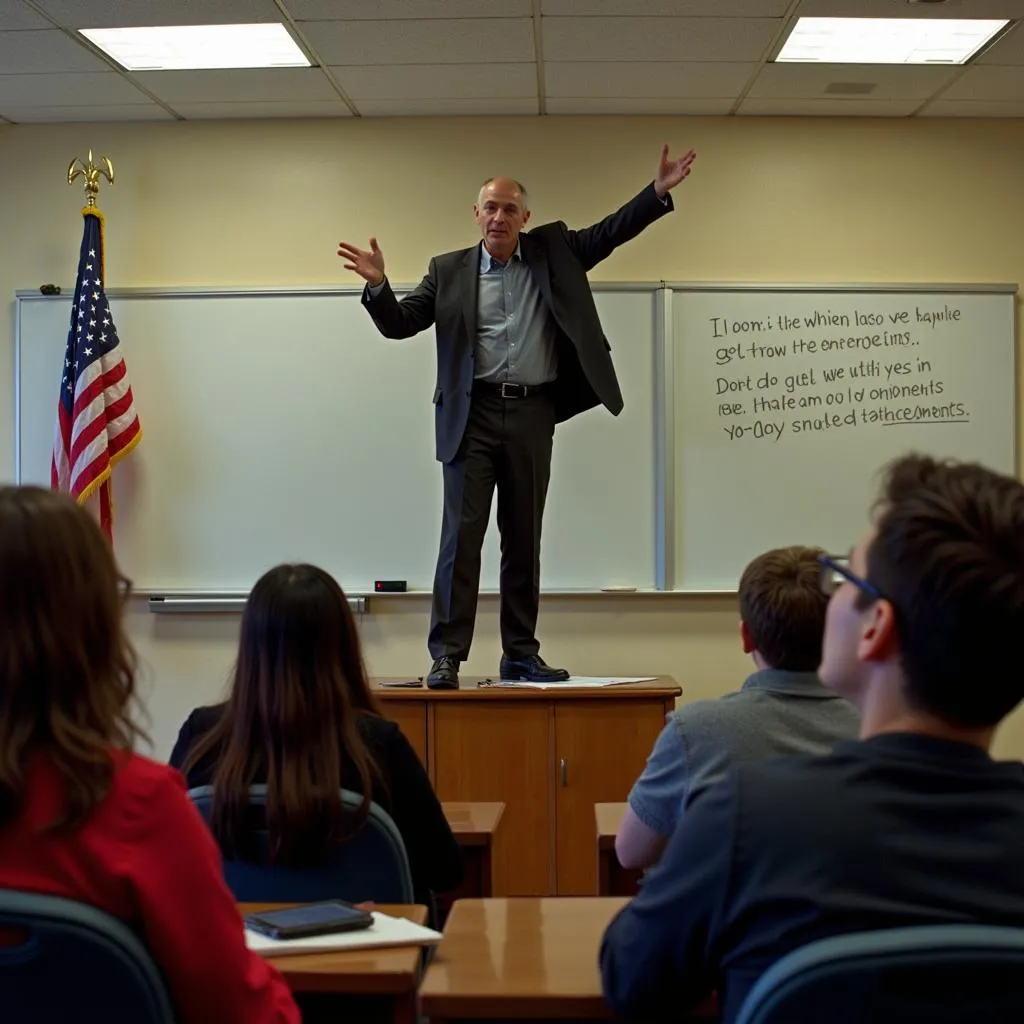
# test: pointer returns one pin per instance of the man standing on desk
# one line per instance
(519, 349)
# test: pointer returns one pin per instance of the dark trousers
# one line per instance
(507, 445)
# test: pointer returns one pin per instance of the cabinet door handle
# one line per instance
(563, 766)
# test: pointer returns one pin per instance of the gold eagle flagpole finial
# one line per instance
(91, 172)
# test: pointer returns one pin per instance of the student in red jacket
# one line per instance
(81, 816)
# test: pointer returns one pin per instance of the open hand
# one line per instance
(367, 263)
(671, 172)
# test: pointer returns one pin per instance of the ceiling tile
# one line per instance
(241, 85)
(974, 108)
(647, 39)
(437, 81)
(1007, 49)
(468, 41)
(638, 105)
(385, 10)
(86, 114)
(665, 8)
(818, 107)
(86, 89)
(904, 81)
(126, 13)
(14, 15)
(891, 9)
(456, 107)
(263, 109)
(645, 79)
(987, 82)
(49, 51)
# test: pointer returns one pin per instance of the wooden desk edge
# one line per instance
(482, 1006)
(475, 836)
(664, 687)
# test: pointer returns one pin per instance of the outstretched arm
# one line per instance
(394, 319)
(596, 243)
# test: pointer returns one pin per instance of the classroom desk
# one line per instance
(612, 878)
(387, 977)
(519, 959)
(548, 755)
(523, 959)
(475, 827)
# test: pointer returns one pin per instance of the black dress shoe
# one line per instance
(531, 670)
(444, 674)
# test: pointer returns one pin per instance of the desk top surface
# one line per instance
(608, 818)
(536, 956)
(366, 971)
(473, 823)
(664, 687)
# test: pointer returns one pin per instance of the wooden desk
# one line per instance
(387, 976)
(524, 958)
(548, 755)
(612, 878)
(475, 827)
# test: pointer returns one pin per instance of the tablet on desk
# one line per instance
(326, 918)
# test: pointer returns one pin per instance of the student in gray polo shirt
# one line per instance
(781, 709)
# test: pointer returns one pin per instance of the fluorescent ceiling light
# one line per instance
(887, 40)
(187, 47)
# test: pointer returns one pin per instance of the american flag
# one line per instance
(96, 419)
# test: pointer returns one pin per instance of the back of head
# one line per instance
(783, 606)
(299, 686)
(948, 554)
(67, 671)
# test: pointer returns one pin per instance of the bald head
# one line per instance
(505, 186)
(501, 211)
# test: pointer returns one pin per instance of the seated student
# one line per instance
(912, 824)
(781, 709)
(81, 816)
(301, 719)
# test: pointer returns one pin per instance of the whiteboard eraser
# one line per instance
(618, 590)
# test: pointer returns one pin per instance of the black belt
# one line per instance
(506, 389)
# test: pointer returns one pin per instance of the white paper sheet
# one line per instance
(580, 682)
(385, 931)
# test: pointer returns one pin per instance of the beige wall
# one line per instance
(265, 203)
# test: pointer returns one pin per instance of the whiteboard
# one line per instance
(787, 402)
(279, 426)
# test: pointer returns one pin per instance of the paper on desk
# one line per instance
(582, 682)
(385, 931)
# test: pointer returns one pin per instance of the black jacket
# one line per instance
(559, 259)
(434, 855)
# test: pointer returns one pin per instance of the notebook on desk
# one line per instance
(385, 931)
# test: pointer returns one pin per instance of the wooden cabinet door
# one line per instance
(411, 717)
(601, 746)
(500, 750)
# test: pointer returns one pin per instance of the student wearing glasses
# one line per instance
(923, 635)
(782, 707)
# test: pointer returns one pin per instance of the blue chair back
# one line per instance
(75, 963)
(371, 865)
(936, 973)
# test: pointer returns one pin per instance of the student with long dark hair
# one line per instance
(301, 718)
(81, 816)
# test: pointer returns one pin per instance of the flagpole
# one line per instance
(108, 412)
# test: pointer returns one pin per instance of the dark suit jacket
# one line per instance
(893, 831)
(435, 859)
(559, 259)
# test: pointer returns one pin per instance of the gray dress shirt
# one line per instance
(515, 331)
